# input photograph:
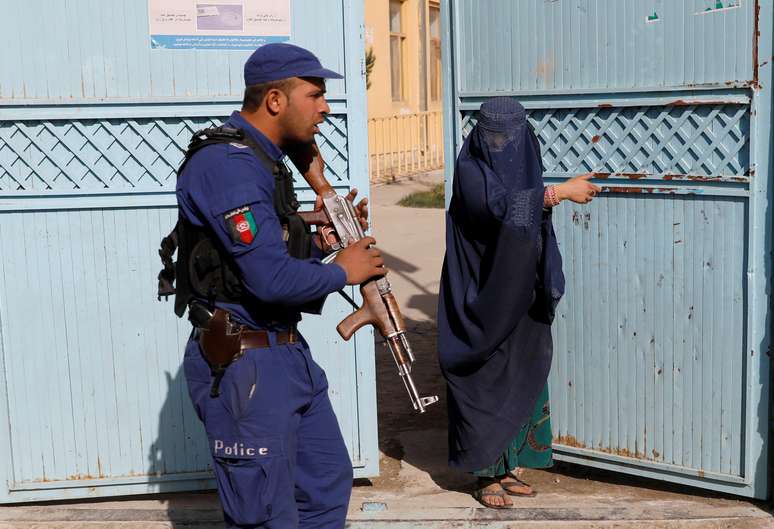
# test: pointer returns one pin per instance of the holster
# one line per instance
(223, 341)
(220, 340)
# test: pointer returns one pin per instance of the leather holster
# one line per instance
(220, 340)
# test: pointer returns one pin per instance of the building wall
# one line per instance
(377, 23)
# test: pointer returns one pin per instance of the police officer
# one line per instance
(278, 454)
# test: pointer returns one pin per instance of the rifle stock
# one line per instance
(309, 162)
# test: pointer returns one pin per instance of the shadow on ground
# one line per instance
(425, 301)
(405, 435)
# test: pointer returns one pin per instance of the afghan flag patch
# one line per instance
(241, 225)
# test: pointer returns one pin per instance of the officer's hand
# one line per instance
(361, 262)
(361, 209)
(578, 189)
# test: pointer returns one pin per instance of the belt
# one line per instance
(231, 332)
(223, 341)
(259, 339)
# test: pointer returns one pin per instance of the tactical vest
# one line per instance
(204, 269)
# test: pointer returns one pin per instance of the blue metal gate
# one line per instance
(93, 123)
(661, 363)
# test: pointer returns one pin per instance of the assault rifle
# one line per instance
(338, 226)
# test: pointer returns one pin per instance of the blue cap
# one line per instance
(273, 62)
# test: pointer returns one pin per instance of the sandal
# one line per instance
(485, 490)
(509, 480)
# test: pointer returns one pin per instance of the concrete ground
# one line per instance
(416, 489)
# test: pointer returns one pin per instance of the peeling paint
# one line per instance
(575, 218)
(717, 6)
(630, 176)
(671, 176)
(652, 190)
(617, 189)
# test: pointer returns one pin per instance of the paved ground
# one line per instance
(415, 488)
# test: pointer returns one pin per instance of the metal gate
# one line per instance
(93, 122)
(661, 364)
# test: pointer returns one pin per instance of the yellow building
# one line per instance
(404, 96)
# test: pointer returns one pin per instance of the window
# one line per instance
(435, 52)
(397, 43)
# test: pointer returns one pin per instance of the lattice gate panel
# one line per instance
(121, 154)
(695, 140)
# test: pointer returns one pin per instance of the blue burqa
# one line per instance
(502, 278)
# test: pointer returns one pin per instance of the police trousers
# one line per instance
(279, 458)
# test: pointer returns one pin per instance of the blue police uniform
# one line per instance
(278, 454)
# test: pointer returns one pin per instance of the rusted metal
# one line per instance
(629, 176)
(569, 440)
(596, 138)
(695, 102)
(674, 176)
(81, 477)
(699, 178)
(650, 190)
(618, 189)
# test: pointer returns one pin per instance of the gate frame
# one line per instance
(351, 104)
(759, 272)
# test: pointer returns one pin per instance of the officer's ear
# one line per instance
(278, 95)
(275, 101)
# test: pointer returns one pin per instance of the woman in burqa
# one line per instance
(502, 279)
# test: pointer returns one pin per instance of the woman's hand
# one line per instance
(578, 189)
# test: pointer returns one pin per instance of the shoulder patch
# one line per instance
(241, 224)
